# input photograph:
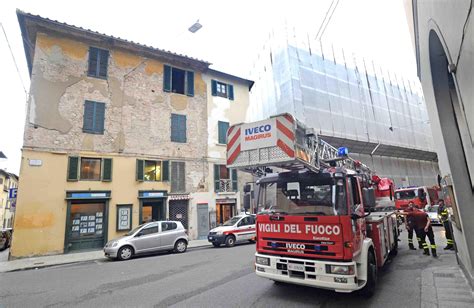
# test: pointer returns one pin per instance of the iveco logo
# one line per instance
(295, 246)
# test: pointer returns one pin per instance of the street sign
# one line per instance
(12, 193)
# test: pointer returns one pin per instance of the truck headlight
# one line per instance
(340, 269)
(262, 261)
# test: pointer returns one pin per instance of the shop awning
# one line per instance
(179, 197)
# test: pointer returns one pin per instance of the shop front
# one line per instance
(152, 205)
(86, 220)
(178, 208)
(225, 209)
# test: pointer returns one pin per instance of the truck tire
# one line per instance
(369, 289)
(230, 241)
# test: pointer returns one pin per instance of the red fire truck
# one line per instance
(314, 225)
(419, 195)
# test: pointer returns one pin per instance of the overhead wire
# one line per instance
(327, 19)
(14, 60)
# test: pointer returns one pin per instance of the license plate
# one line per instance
(210, 237)
(296, 267)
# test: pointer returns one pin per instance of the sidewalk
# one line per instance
(47, 261)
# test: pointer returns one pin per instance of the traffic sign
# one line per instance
(12, 193)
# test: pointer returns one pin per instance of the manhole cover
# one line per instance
(447, 275)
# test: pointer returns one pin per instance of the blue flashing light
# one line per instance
(342, 151)
(317, 247)
(274, 245)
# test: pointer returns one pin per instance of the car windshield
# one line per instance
(231, 221)
(405, 194)
(310, 195)
(135, 230)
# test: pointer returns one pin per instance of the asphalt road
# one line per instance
(206, 277)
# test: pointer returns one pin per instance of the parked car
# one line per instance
(239, 228)
(149, 237)
(6, 238)
(432, 211)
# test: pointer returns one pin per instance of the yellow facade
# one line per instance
(41, 219)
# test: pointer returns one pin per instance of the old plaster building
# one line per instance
(118, 134)
(7, 205)
(443, 37)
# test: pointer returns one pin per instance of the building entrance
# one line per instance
(152, 210)
(224, 212)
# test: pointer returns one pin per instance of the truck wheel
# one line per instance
(230, 240)
(369, 288)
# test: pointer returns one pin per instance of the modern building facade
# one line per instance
(116, 135)
(350, 102)
(8, 181)
(443, 36)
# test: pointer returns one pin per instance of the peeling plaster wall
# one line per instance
(138, 111)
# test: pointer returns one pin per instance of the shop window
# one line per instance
(124, 217)
(222, 89)
(152, 170)
(89, 169)
(98, 62)
(87, 221)
(178, 81)
(222, 128)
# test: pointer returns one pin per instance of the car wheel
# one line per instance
(216, 244)
(125, 253)
(180, 246)
(230, 240)
(369, 288)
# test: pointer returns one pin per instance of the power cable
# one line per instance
(329, 19)
(14, 60)
(324, 20)
(464, 32)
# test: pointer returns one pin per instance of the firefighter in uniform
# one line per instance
(443, 215)
(410, 226)
(423, 229)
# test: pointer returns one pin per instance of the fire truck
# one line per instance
(315, 225)
(419, 195)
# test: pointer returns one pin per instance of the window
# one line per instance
(152, 170)
(178, 176)
(222, 128)
(168, 226)
(98, 62)
(149, 230)
(89, 169)
(178, 81)
(94, 114)
(224, 179)
(178, 128)
(222, 89)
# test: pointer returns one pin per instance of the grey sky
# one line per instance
(232, 35)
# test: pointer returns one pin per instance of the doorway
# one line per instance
(203, 220)
(152, 210)
(224, 212)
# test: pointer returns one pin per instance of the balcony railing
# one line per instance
(225, 185)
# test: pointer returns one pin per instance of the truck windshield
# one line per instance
(405, 194)
(308, 196)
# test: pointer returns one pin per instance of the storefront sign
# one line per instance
(12, 193)
(88, 195)
(153, 194)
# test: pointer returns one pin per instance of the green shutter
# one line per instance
(88, 121)
(107, 169)
(103, 62)
(216, 178)
(99, 118)
(234, 180)
(230, 90)
(167, 79)
(93, 60)
(222, 131)
(73, 168)
(140, 167)
(214, 87)
(190, 83)
(165, 174)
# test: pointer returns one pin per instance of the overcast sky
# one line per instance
(233, 33)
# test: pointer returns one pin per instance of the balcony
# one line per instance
(225, 186)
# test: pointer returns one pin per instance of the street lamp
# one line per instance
(2, 156)
(195, 27)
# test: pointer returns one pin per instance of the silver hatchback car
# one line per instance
(149, 237)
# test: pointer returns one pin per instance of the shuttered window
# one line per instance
(94, 115)
(152, 170)
(98, 62)
(178, 174)
(89, 168)
(178, 128)
(222, 173)
(222, 89)
(178, 81)
(222, 128)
